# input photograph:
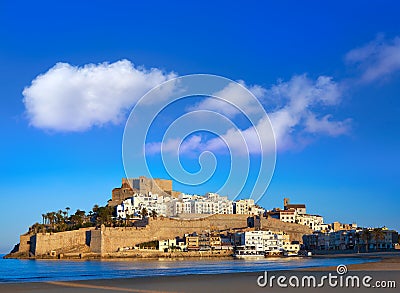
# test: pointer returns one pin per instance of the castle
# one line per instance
(190, 214)
(108, 241)
(141, 185)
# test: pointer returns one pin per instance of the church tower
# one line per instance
(285, 202)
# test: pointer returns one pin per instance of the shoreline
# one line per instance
(383, 266)
(154, 254)
(384, 261)
(132, 254)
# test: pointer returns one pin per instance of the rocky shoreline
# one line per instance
(135, 253)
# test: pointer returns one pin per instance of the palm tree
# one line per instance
(54, 218)
(59, 216)
(48, 216)
(377, 234)
(104, 215)
(366, 236)
(80, 215)
(67, 209)
(36, 227)
(50, 219)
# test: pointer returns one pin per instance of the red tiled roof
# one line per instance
(295, 206)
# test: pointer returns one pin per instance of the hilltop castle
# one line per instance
(141, 185)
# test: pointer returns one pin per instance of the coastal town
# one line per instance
(146, 218)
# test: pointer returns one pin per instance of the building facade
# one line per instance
(297, 213)
(263, 242)
(359, 240)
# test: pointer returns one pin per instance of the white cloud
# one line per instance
(71, 98)
(301, 92)
(303, 100)
(295, 116)
(299, 115)
(378, 59)
(233, 94)
(193, 142)
(326, 125)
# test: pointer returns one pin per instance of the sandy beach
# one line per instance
(385, 266)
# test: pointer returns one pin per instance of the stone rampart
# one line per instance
(59, 242)
(109, 240)
(295, 231)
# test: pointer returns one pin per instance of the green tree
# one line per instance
(104, 215)
(59, 217)
(51, 217)
(90, 214)
(80, 216)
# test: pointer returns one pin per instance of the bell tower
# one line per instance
(285, 202)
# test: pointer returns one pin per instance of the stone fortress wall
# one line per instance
(108, 240)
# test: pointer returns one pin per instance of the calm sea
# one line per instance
(14, 270)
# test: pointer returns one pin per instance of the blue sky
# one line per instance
(349, 175)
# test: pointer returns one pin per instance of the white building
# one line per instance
(247, 207)
(315, 222)
(243, 206)
(296, 213)
(164, 205)
(290, 248)
(125, 208)
(179, 207)
(259, 243)
(251, 243)
(166, 245)
(211, 203)
(151, 202)
(286, 216)
(273, 242)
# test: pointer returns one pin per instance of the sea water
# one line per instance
(19, 270)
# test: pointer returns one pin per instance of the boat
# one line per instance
(290, 253)
(305, 253)
(273, 253)
(248, 256)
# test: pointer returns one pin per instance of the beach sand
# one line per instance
(385, 267)
(381, 261)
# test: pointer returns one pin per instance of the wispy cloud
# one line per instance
(71, 98)
(175, 145)
(299, 114)
(377, 59)
(233, 94)
(327, 126)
